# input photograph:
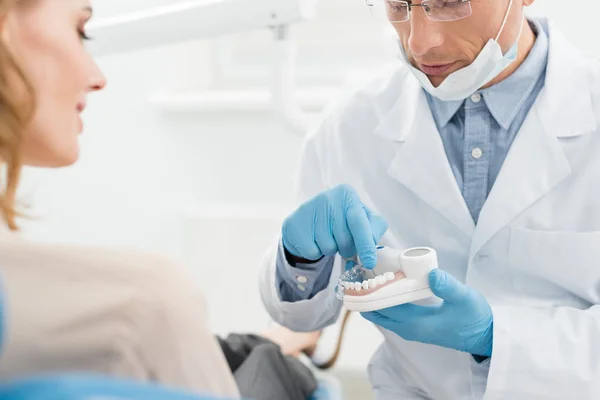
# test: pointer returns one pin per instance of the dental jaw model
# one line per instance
(398, 278)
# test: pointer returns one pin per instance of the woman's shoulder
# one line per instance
(118, 262)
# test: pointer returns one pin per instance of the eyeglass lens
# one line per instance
(436, 10)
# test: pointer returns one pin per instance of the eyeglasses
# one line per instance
(436, 10)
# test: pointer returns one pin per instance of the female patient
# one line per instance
(114, 312)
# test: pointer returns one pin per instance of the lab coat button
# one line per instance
(301, 288)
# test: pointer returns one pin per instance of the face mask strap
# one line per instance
(505, 19)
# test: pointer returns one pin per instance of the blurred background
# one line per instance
(183, 154)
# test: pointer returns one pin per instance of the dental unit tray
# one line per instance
(398, 278)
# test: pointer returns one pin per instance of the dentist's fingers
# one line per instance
(343, 237)
(349, 265)
(378, 225)
(323, 236)
(293, 243)
(360, 228)
(447, 287)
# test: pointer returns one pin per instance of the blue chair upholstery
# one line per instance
(90, 387)
(87, 387)
(329, 388)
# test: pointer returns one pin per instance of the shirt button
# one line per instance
(301, 288)
(476, 98)
(477, 153)
(302, 279)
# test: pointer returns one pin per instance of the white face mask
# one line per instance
(463, 83)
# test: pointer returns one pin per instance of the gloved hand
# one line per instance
(463, 321)
(335, 221)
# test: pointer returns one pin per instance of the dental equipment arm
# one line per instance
(190, 20)
(206, 19)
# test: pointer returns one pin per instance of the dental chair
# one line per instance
(92, 387)
(95, 387)
(89, 387)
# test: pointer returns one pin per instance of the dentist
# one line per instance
(482, 142)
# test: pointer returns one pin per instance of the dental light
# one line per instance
(192, 19)
(204, 19)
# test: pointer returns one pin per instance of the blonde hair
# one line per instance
(17, 104)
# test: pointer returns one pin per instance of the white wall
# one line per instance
(210, 187)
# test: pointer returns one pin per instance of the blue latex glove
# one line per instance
(463, 321)
(335, 221)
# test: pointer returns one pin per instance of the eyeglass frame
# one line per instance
(409, 4)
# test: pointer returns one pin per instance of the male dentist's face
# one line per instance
(440, 48)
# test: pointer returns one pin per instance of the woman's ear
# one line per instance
(8, 23)
(4, 27)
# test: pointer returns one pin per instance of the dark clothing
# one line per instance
(262, 372)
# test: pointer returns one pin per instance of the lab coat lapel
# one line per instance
(536, 162)
(421, 164)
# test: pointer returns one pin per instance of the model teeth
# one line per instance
(371, 283)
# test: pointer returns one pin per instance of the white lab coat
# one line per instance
(535, 253)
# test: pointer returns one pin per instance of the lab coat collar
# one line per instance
(564, 108)
(565, 103)
(421, 164)
(536, 162)
(397, 123)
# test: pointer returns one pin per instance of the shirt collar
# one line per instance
(506, 98)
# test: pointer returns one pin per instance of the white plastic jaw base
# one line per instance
(415, 263)
(380, 303)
